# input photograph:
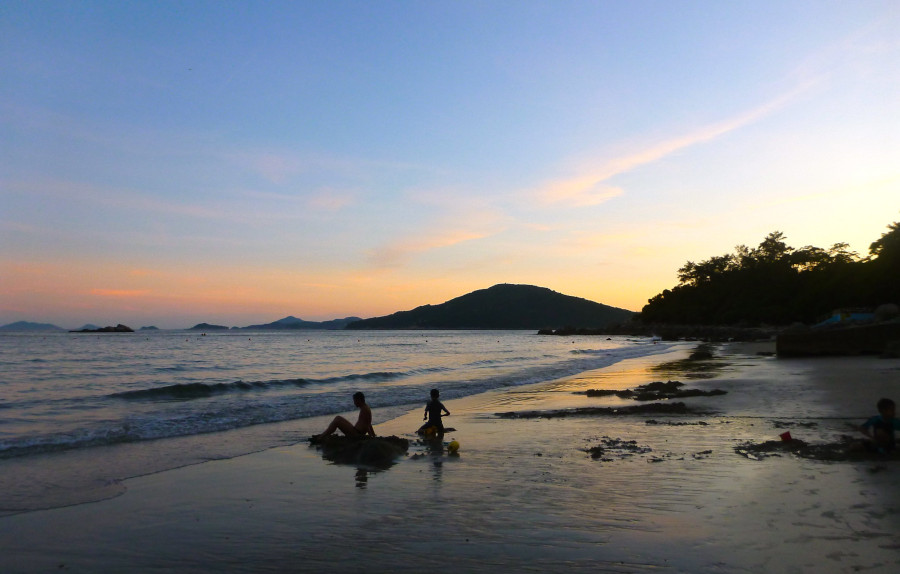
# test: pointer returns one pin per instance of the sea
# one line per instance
(81, 412)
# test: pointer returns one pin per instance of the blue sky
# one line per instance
(235, 162)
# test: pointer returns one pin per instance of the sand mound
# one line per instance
(844, 449)
(379, 452)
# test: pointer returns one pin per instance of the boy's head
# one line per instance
(886, 408)
(435, 393)
(359, 398)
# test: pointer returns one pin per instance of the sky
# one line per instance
(170, 163)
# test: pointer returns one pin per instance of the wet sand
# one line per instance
(619, 491)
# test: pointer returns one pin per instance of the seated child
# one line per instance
(362, 428)
(880, 428)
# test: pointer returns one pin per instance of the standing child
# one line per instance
(433, 410)
(880, 428)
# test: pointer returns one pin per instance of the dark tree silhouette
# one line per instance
(777, 284)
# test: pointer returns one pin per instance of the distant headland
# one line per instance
(503, 306)
(287, 324)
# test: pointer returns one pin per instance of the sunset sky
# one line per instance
(167, 163)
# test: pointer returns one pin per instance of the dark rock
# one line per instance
(661, 387)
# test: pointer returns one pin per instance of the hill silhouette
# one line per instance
(29, 326)
(292, 322)
(503, 306)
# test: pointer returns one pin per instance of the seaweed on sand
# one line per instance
(617, 447)
(793, 424)
(652, 408)
(379, 452)
(677, 424)
(656, 391)
(611, 449)
(702, 363)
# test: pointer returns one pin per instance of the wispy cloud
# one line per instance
(120, 293)
(590, 187)
(237, 207)
(68, 191)
(283, 166)
(456, 216)
(397, 253)
(329, 200)
(143, 273)
(276, 168)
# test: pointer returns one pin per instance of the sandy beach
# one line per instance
(665, 492)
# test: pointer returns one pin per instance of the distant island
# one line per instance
(294, 323)
(503, 306)
(287, 324)
(120, 328)
(29, 326)
(209, 327)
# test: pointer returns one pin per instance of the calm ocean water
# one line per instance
(65, 393)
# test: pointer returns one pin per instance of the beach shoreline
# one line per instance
(669, 492)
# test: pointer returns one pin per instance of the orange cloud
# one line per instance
(120, 292)
(330, 201)
(142, 273)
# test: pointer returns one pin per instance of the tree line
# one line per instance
(775, 284)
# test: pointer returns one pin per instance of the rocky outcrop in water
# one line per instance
(120, 328)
